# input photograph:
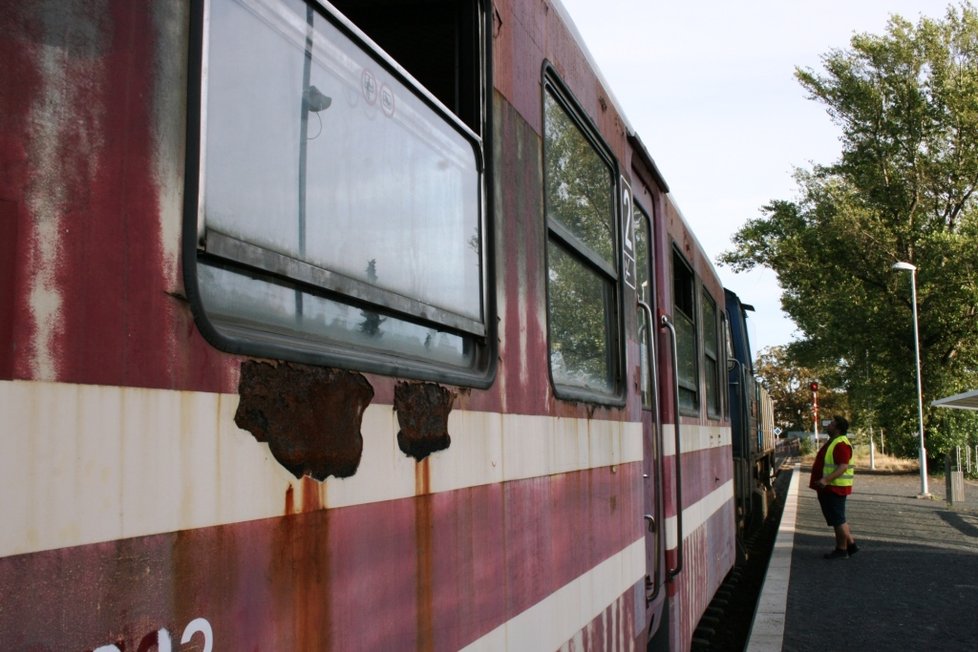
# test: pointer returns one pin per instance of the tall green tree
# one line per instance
(903, 189)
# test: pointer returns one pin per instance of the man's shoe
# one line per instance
(852, 549)
(837, 554)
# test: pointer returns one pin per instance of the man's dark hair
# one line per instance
(841, 424)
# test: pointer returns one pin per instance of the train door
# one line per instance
(652, 471)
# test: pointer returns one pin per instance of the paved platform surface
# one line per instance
(912, 586)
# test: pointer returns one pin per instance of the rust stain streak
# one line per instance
(312, 495)
(424, 528)
(422, 478)
(290, 500)
(424, 535)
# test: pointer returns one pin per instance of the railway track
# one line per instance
(727, 621)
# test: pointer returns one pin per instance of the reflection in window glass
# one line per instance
(582, 274)
(580, 302)
(711, 355)
(684, 300)
(580, 184)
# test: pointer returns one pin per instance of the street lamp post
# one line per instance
(907, 267)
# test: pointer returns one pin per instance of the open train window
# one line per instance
(436, 41)
(711, 355)
(684, 311)
(337, 190)
(582, 252)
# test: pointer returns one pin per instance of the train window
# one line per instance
(684, 311)
(340, 201)
(582, 261)
(728, 335)
(445, 61)
(711, 355)
(727, 357)
(643, 262)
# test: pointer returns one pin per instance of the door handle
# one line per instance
(666, 323)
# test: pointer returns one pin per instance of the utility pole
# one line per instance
(814, 388)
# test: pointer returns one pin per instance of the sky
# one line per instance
(709, 87)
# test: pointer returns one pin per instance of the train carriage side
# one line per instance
(341, 326)
(696, 427)
(752, 423)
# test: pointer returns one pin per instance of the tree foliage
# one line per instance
(903, 189)
(788, 384)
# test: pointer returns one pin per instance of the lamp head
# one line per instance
(903, 267)
(315, 100)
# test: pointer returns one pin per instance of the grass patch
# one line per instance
(883, 462)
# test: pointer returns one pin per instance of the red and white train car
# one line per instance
(365, 325)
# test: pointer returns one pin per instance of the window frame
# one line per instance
(726, 345)
(200, 246)
(714, 408)
(644, 221)
(560, 236)
(694, 386)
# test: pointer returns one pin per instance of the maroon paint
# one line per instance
(523, 374)
(708, 557)
(346, 578)
(8, 276)
(706, 470)
(19, 42)
(614, 628)
(120, 323)
(517, 56)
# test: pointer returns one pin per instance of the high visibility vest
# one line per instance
(844, 480)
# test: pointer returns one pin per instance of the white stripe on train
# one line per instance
(82, 464)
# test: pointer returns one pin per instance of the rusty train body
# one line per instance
(364, 325)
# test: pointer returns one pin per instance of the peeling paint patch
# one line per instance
(309, 416)
(66, 149)
(422, 414)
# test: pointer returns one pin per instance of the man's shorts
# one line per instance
(833, 507)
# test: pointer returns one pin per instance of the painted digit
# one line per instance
(199, 625)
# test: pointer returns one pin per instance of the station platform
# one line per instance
(913, 585)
